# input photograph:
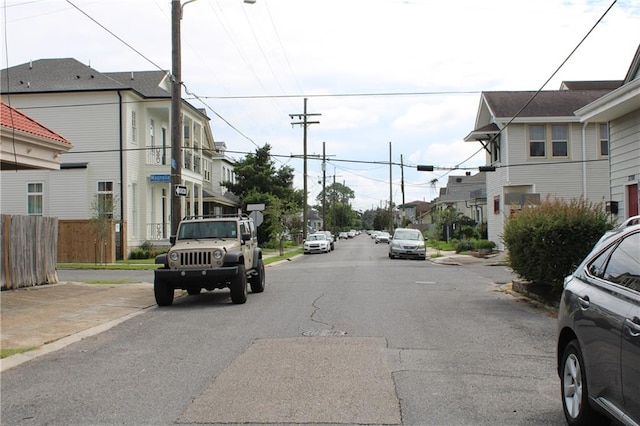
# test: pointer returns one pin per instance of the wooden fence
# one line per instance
(29, 247)
(77, 243)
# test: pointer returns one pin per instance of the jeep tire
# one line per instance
(238, 286)
(257, 280)
(163, 293)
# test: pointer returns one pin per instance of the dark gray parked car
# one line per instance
(599, 333)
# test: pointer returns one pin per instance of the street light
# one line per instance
(176, 116)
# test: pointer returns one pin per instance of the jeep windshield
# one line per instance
(207, 229)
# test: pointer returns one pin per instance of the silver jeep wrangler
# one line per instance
(211, 252)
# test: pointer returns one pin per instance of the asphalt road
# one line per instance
(349, 337)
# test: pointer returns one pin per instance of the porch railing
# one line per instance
(157, 231)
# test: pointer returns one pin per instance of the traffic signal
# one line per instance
(425, 168)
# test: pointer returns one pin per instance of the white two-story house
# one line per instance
(540, 147)
(119, 123)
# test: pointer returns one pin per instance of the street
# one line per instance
(347, 337)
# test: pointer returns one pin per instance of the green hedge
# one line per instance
(548, 241)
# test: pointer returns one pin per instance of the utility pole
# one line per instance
(176, 116)
(324, 186)
(404, 209)
(304, 123)
(390, 191)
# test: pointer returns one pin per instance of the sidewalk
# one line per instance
(52, 316)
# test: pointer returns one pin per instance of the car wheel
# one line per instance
(238, 286)
(193, 291)
(257, 280)
(163, 293)
(575, 395)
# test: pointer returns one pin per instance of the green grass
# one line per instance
(287, 255)
(144, 264)
(8, 352)
(135, 264)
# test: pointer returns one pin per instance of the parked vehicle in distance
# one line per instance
(373, 234)
(407, 242)
(343, 235)
(351, 233)
(383, 237)
(330, 237)
(598, 349)
(316, 243)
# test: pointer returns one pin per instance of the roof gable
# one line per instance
(11, 118)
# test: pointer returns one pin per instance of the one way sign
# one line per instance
(181, 190)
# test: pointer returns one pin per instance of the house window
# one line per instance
(496, 204)
(152, 137)
(206, 166)
(604, 140)
(495, 151)
(536, 141)
(559, 140)
(134, 127)
(105, 199)
(35, 197)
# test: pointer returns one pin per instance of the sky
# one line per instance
(396, 83)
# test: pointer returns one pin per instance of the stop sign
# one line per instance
(257, 217)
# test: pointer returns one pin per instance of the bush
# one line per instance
(464, 245)
(139, 253)
(547, 242)
(484, 245)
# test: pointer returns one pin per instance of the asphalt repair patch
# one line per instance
(302, 380)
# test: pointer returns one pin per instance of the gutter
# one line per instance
(584, 159)
(122, 237)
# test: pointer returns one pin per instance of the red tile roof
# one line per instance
(13, 119)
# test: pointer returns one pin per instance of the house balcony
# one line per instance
(158, 231)
(157, 156)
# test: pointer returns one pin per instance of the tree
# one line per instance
(258, 181)
(101, 222)
(338, 211)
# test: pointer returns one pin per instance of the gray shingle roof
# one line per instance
(70, 75)
(145, 82)
(561, 103)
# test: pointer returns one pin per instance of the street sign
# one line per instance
(255, 207)
(181, 190)
(257, 217)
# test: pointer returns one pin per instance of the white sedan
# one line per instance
(317, 243)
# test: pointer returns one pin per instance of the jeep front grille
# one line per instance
(196, 258)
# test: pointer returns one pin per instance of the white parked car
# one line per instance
(407, 242)
(383, 237)
(317, 243)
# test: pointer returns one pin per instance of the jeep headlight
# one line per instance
(217, 254)
(173, 256)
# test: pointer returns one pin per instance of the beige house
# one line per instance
(540, 147)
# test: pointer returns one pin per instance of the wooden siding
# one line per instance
(28, 251)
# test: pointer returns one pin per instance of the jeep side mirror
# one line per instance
(172, 239)
(246, 237)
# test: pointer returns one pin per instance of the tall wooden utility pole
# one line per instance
(304, 123)
(390, 191)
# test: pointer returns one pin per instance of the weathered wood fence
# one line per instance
(29, 250)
